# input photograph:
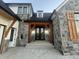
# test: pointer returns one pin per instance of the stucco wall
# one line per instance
(7, 22)
(14, 9)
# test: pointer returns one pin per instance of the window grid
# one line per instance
(22, 10)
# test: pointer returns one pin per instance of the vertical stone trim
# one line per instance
(7, 31)
(72, 26)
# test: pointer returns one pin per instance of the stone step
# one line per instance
(76, 46)
(74, 53)
(75, 50)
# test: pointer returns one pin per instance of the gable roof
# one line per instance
(62, 4)
(4, 7)
(45, 17)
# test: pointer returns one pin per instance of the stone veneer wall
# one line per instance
(23, 34)
(56, 31)
(60, 25)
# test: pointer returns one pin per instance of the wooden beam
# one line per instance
(4, 44)
(72, 26)
(29, 39)
(7, 31)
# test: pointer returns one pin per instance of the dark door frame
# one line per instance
(12, 34)
(40, 35)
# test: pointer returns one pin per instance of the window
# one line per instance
(1, 33)
(25, 10)
(22, 10)
(77, 23)
(19, 10)
(73, 25)
(40, 14)
(77, 17)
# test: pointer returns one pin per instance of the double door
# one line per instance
(39, 33)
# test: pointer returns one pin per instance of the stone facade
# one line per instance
(60, 26)
(62, 40)
(23, 34)
(56, 31)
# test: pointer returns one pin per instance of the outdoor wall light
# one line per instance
(33, 32)
(46, 31)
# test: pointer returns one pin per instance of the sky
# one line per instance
(45, 5)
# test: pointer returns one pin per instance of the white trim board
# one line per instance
(62, 4)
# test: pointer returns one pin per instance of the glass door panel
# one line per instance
(42, 34)
(39, 33)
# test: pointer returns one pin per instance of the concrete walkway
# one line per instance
(35, 50)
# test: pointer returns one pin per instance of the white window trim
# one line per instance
(62, 4)
(41, 14)
(22, 9)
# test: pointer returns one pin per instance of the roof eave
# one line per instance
(62, 4)
(15, 16)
